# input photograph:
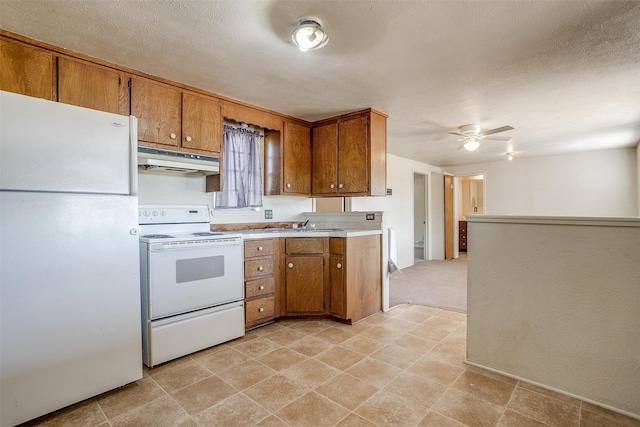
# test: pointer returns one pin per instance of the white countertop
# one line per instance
(291, 232)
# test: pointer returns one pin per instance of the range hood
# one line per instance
(176, 162)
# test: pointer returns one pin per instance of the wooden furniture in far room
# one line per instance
(462, 235)
(260, 275)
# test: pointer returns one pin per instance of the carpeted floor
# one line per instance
(440, 284)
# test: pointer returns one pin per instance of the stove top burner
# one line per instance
(157, 236)
(207, 233)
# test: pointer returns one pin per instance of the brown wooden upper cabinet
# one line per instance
(26, 70)
(91, 86)
(288, 160)
(174, 119)
(349, 155)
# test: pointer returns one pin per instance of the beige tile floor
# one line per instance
(401, 368)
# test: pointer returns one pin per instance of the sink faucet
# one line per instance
(305, 223)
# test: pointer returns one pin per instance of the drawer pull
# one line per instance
(259, 248)
(261, 287)
(261, 309)
(260, 268)
(290, 265)
(339, 265)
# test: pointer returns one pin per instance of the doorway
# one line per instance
(420, 246)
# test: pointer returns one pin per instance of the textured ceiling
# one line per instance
(565, 74)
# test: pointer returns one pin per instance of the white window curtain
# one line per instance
(241, 174)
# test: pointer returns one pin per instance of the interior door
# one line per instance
(448, 217)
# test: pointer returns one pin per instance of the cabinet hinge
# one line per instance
(129, 84)
(119, 81)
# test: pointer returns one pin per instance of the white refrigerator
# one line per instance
(69, 269)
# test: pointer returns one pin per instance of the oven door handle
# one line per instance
(155, 247)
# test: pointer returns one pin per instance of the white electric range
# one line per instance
(191, 282)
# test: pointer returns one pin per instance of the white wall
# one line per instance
(399, 206)
(176, 190)
(555, 302)
(593, 183)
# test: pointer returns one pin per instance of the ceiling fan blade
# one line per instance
(457, 133)
(496, 130)
(497, 138)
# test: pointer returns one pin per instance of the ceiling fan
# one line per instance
(473, 134)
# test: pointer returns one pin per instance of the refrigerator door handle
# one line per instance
(133, 165)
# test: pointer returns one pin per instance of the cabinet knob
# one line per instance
(290, 265)
(339, 265)
(259, 248)
(332, 186)
(340, 185)
(261, 309)
(288, 185)
(260, 268)
(173, 136)
(188, 138)
(261, 287)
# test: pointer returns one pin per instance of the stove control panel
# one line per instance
(172, 214)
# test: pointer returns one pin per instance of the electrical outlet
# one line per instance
(389, 191)
(370, 217)
(268, 214)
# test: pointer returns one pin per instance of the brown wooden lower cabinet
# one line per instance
(305, 282)
(312, 277)
(260, 286)
(356, 277)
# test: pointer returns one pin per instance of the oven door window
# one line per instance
(189, 279)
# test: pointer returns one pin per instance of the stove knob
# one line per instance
(146, 213)
(133, 231)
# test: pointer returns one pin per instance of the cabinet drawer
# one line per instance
(336, 245)
(258, 267)
(255, 248)
(304, 245)
(257, 309)
(255, 288)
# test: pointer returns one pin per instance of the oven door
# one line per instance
(190, 276)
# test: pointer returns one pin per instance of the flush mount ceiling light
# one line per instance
(309, 35)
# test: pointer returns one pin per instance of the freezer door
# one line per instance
(69, 300)
(49, 146)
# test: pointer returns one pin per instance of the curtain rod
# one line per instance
(234, 129)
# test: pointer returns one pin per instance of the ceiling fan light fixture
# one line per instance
(472, 144)
(309, 35)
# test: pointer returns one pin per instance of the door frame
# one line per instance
(425, 225)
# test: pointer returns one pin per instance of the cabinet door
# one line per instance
(296, 159)
(304, 284)
(353, 156)
(338, 303)
(157, 108)
(201, 123)
(325, 156)
(25, 70)
(88, 86)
